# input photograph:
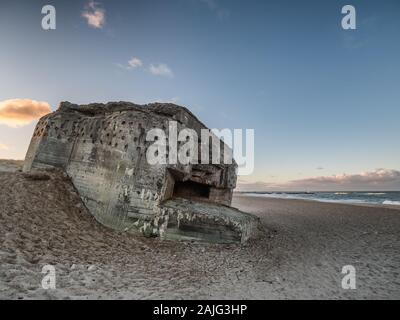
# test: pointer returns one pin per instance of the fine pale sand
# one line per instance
(300, 256)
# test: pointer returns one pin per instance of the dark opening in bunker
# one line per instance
(191, 190)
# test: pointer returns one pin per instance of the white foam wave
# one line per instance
(372, 201)
(375, 193)
(393, 203)
(342, 200)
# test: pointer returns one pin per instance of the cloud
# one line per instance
(161, 70)
(173, 100)
(94, 15)
(367, 31)
(20, 112)
(3, 146)
(135, 63)
(245, 186)
(119, 65)
(377, 180)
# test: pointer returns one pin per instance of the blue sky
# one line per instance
(323, 101)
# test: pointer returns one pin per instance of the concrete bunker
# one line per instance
(191, 190)
(102, 148)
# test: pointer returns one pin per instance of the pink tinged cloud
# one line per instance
(371, 177)
(94, 15)
(379, 179)
(3, 146)
(135, 63)
(20, 112)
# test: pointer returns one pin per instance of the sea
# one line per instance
(364, 197)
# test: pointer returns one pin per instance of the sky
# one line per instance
(324, 102)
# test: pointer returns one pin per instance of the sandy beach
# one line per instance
(300, 256)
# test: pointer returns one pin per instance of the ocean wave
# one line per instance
(337, 197)
(269, 195)
(303, 197)
(375, 193)
(393, 203)
(342, 201)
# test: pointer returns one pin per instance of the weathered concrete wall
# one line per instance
(103, 148)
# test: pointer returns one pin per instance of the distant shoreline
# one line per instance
(275, 195)
(315, 192)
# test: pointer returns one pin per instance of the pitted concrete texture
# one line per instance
(102, 148)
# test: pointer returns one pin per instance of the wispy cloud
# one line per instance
(95, 15)
(19, 112)
(244, 186)
(367, 31)
(3, 146)
(173, 100)
(161, 70)
(134, 63)
(379, 179)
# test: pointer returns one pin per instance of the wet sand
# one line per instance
(314, 240)
(300, 255)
